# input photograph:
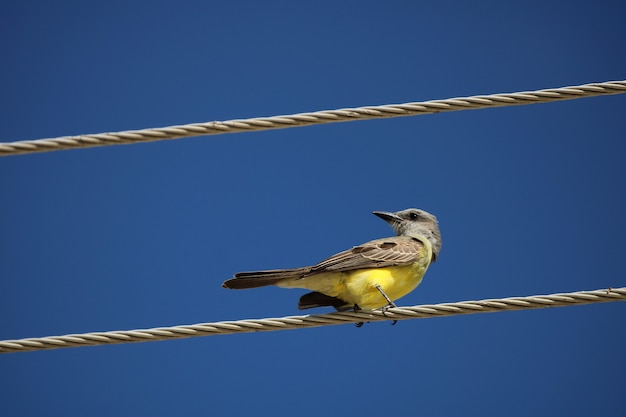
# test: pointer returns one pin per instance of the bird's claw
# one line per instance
(387, 307)
(356, 309)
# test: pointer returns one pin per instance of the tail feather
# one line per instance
(245, 280)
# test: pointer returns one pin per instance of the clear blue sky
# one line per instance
(530, 201)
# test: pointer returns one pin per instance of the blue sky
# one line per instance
(530, 201)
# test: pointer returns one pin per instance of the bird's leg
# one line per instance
(389, 303)
(356, 309)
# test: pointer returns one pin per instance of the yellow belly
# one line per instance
(396, 282)
(359, 286)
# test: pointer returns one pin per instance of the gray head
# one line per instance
(415, 222)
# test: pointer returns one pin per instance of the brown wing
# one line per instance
(379, 253)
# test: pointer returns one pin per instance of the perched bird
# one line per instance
(369, 276)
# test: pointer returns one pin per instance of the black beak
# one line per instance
(390, 218)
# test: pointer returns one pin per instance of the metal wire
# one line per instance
(307, 119)
(296, 322)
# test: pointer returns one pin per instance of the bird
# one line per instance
(369, 276)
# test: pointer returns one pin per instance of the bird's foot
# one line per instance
(384, 311)
(356, 309)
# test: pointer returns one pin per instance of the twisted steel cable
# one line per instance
(296, 322)
(307, 119)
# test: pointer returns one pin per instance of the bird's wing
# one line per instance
(379, 253)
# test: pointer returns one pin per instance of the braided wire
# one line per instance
(296, 322)
(313, 118)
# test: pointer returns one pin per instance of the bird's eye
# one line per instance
(413, 215)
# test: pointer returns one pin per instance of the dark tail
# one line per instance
(244, 280)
